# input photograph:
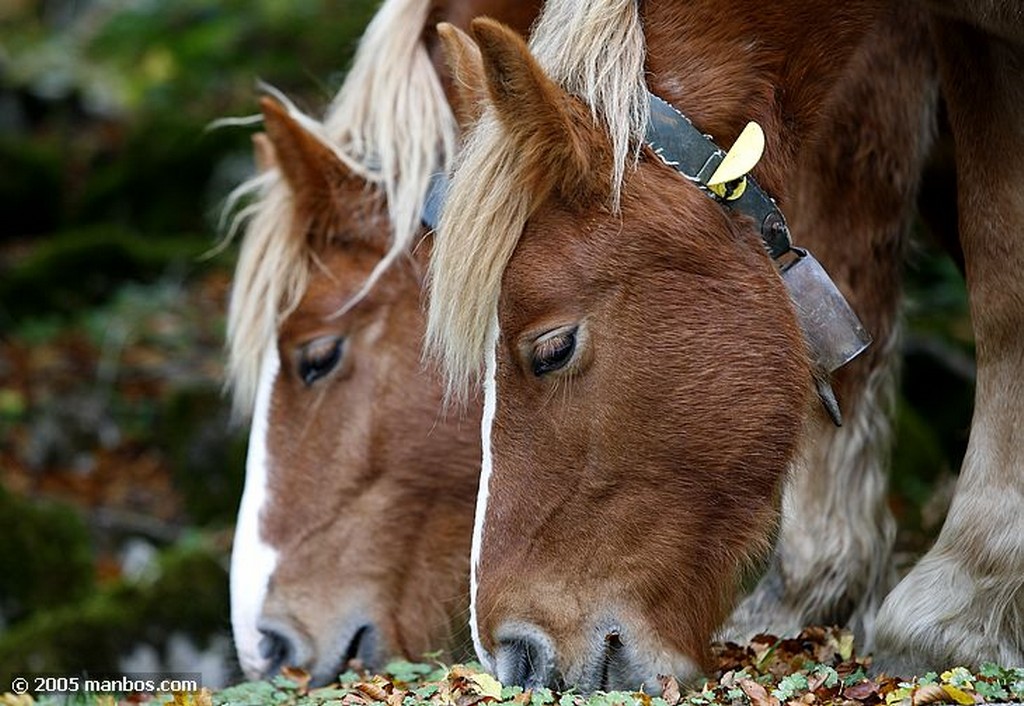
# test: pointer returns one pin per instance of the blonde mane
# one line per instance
(594, 49)
(391, 124)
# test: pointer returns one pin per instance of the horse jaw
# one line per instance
(252, 560)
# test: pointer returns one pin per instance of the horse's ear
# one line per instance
(263, 152)
(309, 166)
(552, 130)
(467, 70)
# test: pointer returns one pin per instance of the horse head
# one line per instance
(646, 384)
(357, 514)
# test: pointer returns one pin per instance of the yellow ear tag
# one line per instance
(729, 180)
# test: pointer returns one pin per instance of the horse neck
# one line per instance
(726, 63)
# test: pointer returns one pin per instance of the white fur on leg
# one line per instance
(252, 560)
(963, 604)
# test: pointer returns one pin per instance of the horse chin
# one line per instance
(635, 668)
(629, 672)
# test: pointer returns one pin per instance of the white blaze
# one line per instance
(252, 560)
(490, 406)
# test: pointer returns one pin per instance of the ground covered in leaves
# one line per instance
(817, 667)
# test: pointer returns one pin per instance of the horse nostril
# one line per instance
(362, 647)
(613, 641)
(525, 657)
(277, 650)
(612, 663)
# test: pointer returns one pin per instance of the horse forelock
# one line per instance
(595, 50)
(391, 125)
(270, 278)
(392, 116)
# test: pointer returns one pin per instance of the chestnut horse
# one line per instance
(649, 379)
(354, 530)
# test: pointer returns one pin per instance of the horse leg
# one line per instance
(964, 602)
(853, 199)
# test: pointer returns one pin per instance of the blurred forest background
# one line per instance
(119, 471)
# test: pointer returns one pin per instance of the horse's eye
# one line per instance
(319, 357)
(553, 351)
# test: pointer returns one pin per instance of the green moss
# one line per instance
(76, 269)
(45, 556)
(30, 186)
(207, 456)
(85, 636)
(189, 596)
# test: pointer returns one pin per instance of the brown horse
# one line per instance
(649, 389)
(354, 529)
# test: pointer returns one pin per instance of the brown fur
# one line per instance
(964, 601)
(653, 414)
(609, 425)
(370, 488)
(851, 198)
(517, 14)
(363, 451)
(551, 128)
(616, 446)
(384, 483)
(463, 59)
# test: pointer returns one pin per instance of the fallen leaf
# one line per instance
(300, 676)
(376, 689)
(670, 689)
(10, 699)
(958, 695)
(485, 685)
(757, 694)
(845, 646)
(861, 691)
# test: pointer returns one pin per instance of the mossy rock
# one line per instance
(77, 269)
(30, 186)
(189, 596)
(45, 556)
(159, 181)
(206, 452)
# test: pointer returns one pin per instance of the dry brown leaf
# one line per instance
(927, 694)
(298, 675)
(374, 689)
(861, 691)
(757, 694)
(203, 697)
(670, 689)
